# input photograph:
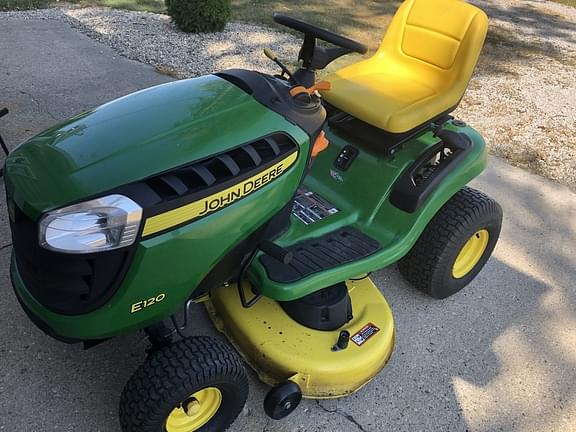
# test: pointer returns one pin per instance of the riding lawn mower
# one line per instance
(267, 198)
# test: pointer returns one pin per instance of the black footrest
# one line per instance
(311, 256)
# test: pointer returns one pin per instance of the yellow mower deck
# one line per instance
(280, 349)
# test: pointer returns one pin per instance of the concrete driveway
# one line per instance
(499, 356)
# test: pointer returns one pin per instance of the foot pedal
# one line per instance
(315, 255)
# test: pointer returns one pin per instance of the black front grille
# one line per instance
(65, 283)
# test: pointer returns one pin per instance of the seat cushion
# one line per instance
(383, 98)
(421, 69)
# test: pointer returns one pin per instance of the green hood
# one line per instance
(134, 137)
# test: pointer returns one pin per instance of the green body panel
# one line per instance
(132, 138)
(174, 263)
(362, 197)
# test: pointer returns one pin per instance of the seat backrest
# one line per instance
(436, 40)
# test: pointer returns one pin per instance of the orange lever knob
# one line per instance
(320, 144)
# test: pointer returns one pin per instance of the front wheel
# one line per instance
(455, 245)
(196, 384)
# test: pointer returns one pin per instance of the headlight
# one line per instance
(98, 225)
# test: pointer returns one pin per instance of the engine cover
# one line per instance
(136, 137)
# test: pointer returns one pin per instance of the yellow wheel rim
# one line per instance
(195, 411)
(470, 254)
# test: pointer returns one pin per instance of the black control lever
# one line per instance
(272, 56)
(269, 248)
(3, 112)
(276, 252)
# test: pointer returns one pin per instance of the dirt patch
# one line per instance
(523, 96)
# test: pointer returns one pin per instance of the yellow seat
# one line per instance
(421, 69)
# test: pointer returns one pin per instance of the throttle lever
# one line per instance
(272, 56)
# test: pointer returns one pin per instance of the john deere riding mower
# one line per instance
(267, 198)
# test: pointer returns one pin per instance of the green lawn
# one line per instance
(138, 5)
(22, 4)
(364, 21)
(566, 2)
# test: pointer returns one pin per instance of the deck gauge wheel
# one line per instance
(282, 400)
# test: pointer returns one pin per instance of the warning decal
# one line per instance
(364, 334)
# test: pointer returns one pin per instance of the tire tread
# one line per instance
(453, 220)
(190, 361)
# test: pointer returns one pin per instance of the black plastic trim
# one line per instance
(318, 254)
(274, 94)
(45, 328)
(327, 309)
(409, 193)
(375, 139)
(67, 284)
(139, 192)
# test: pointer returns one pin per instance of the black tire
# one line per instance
(171, 374)
(428, 266)
(282, 400)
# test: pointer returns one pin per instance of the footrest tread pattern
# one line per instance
(312, 256)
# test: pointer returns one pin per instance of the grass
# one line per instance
(363, 20)
(566, 2)
(156, 6)
(22, 4)
(138, 5)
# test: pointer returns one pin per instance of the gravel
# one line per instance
(522, 98)
(153, 39)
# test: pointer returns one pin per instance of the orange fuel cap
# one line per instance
(321, 85)
(320, 144)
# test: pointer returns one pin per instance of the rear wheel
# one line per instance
(196, 384)
(455, 245)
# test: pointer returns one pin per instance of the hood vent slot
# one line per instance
(238, 163)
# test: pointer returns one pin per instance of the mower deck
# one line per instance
(280, 349)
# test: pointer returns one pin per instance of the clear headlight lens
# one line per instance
(98, 225)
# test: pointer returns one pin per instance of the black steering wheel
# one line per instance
(311, 31)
